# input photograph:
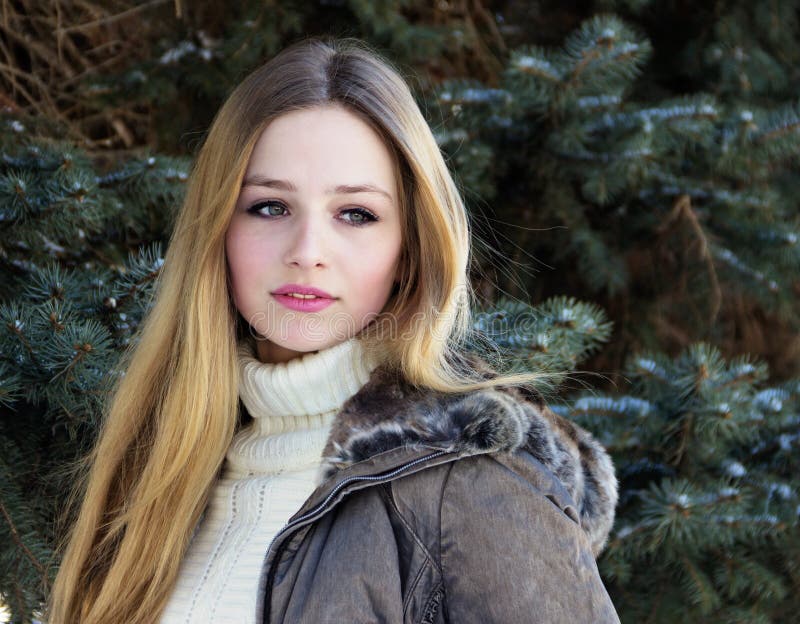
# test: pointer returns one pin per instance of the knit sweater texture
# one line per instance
(270, 469)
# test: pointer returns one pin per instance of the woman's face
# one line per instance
(318, 208)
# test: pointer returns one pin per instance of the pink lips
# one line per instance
(320, 301)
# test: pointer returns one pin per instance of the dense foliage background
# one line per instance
(630, 168)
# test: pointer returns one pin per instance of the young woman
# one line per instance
(300, 435)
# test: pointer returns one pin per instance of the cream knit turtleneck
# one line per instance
(270, 470)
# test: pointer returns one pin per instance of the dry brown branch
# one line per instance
(50, 57)
(105, 21)
(122, 131)
(93, 70)
(485, 16)
(7, 103)
(11, 74)
(682, 211)
(75, 53)
(53, 111)
(42, 73)
(674, 333)
(492, 66)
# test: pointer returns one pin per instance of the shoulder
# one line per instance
(487, 483)
(511, 427)
(507, 540)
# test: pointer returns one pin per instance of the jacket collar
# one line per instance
(389, 413)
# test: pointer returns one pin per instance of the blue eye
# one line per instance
(256, 208)
(364, 216)
(358, 216)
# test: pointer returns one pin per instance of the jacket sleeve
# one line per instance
(512, 549)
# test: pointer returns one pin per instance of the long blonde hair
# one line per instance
(170, 418)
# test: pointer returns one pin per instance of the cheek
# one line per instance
(244, 260)
(374, 277)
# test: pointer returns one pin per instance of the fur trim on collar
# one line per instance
(388, 412)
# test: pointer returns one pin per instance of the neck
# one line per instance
(269, 352)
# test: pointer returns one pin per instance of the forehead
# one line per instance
(322, 145)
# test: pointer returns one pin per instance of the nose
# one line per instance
(306, 244)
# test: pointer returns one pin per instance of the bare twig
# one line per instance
(54, 111)
(122, 130)
(10, 76)
(485, 16)
(91, 70)
(75, 53)
(38, 48)
(682, 210)
(104, 21)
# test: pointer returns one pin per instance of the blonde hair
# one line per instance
(170, 418)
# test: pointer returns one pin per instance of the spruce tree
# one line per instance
(672, 208)
(707, 523)
(80, 248)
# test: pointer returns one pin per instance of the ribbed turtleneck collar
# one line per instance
(293, 405)
(311, 384)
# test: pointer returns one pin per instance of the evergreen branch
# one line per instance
(768, 449)
(81, 350)
(598, 101)
(18, 589)
(710, 599)
(142, 270)
(627, 531)
(473, 95)
(605, 157)
(582, 64)
(610, 40)
(685, 434)
(655, 609)
(10, 385)
(537, 67)
(14, 188)
(767, 520)
(16, 328)
(780, 131)
(19, 542)
(672, 185)
(702, 110)
(732, 259)
(649, 366)
(607, 406)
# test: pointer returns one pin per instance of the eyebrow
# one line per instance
(341, 189)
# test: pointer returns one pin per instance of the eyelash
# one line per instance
(256, 210)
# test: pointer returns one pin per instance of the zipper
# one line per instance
(316, 510)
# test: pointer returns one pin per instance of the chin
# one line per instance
(304, 346)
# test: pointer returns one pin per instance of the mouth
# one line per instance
(302, 302)
(300, 291)
(301, 296)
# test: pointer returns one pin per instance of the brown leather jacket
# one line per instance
(484, 507)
